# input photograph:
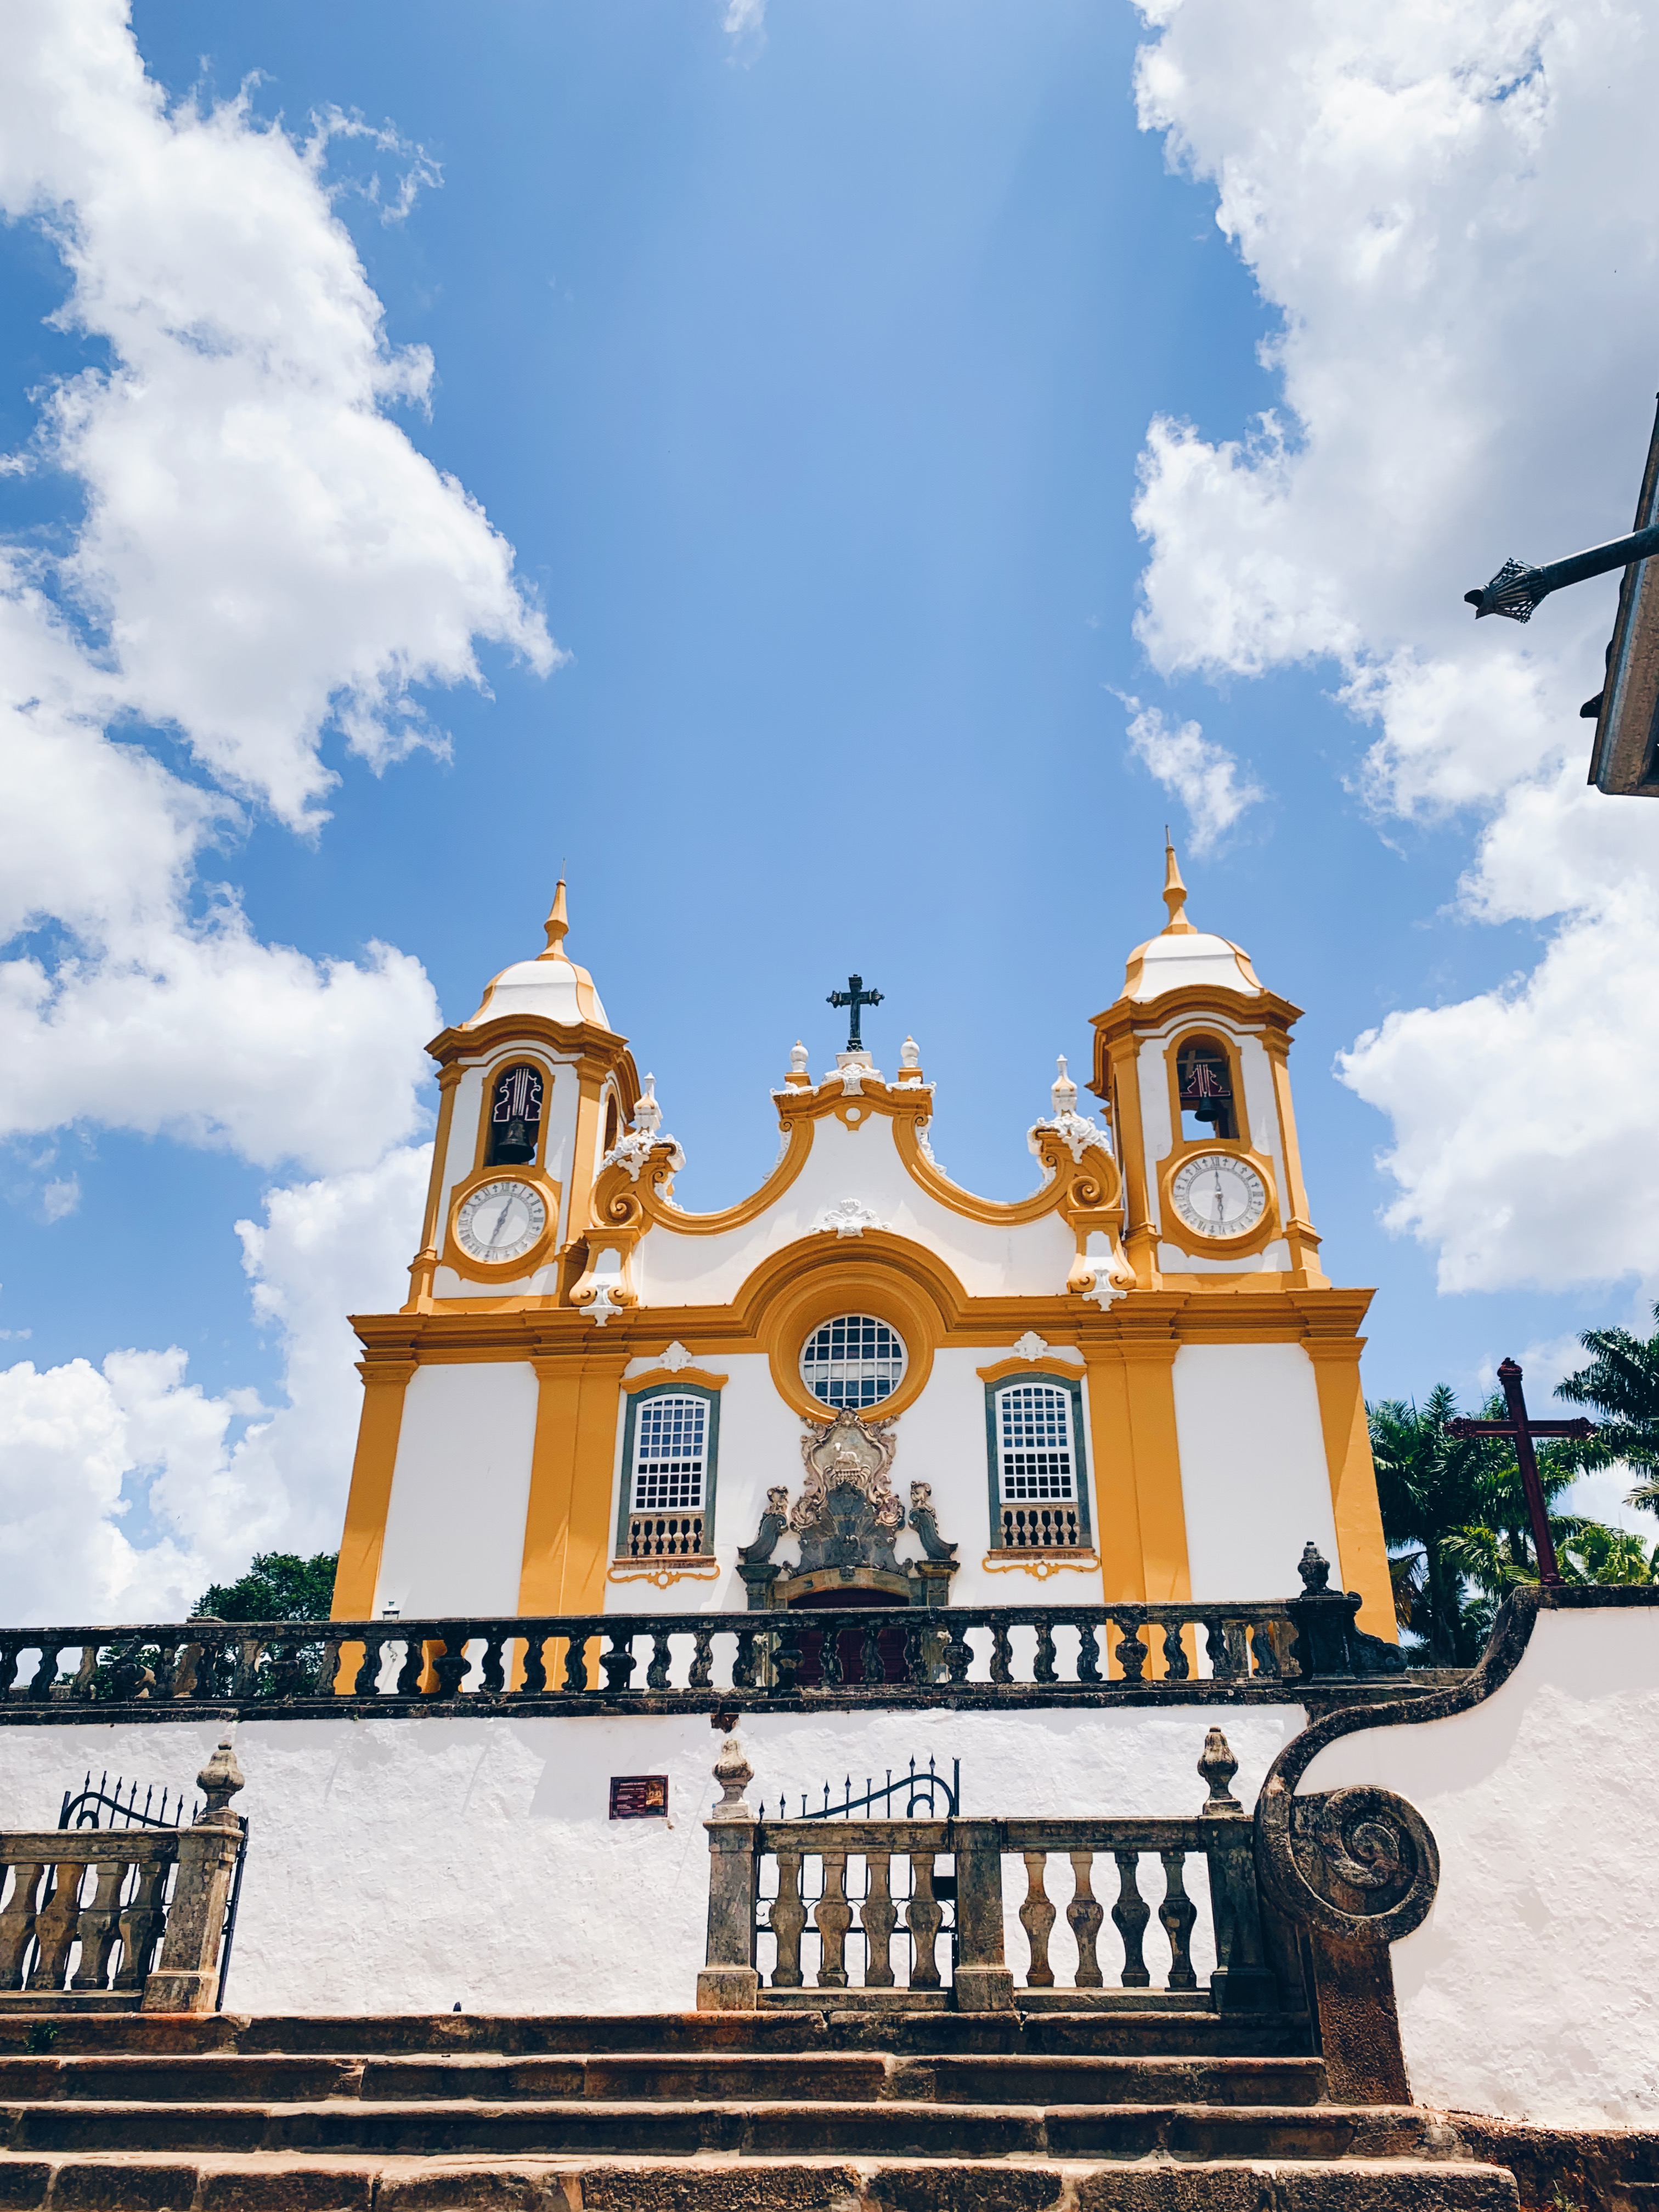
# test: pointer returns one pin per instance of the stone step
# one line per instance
(279, 2183)
(890, 2128)
(840, 2077)
(1140, 2033)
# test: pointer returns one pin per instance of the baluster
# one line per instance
(1129, 1651)
(46, 1674)
(879, 1917)
(321, 1684)
(656, 1675)
(56, 1927)
(1175, 1667)
(575, 1664)
(1219, 1646)
(1036, 1918)
(743, 1667)
(702, 1655)
(248, 1668)
(872, 1665)
(924, 1919)
(11, 1651)
(1002, 1652)
(789, 1918)
(17, 1921)
(142, 1921)
(99, 1926)
(365, 1679)
(1178, 1913)
(450, 1665)
(492, 1674)
(618, 1660)
(831, 1669)
(1266, 1651)
(534, 1680)
(408, 1684)
(832, 1916)
(1043, 1668)
(1088, 1652)
(958, 1652)
(1085, 1913)
(1131, 1912)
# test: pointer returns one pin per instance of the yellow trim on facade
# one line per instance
(1362, 1548)
(424, 1265)
(1041, 1565)
(573, 1460)
(1046, 1362)
(386, 1370)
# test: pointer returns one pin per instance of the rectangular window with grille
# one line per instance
(668, 1476)
(1039, 1498)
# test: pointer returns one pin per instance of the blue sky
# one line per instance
(809, 372)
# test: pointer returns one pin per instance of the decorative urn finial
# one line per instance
(648, 1114)
(798, 1058)
(1315, 1571)
(909, 1054)
(1175, 892)
(1063, 1090)
(1219, 1766)
(218, 1781)
(734, 1774)
(557, 926)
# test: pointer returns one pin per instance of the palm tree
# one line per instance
(1459, 1535)
(1621, 1384)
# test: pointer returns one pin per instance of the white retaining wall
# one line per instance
(1532, 1989)
(408, 1865)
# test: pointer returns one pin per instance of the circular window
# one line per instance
(853, 1361)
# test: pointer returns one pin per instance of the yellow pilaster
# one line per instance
(1139, 1237)
(424, 1265)
(1363, 1553)
(1143, 1534)
(567, 1537)
(385, 1372)
(1299, 1231)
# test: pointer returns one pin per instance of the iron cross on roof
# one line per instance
(857, 998)
(1521, 1429)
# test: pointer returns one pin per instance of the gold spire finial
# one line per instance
(558, 927)
(1175, 892)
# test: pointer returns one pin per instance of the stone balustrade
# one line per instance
(788, 1883)
(703, 1662)
(86, 1910)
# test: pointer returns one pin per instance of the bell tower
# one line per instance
(1191, 1061)
(534, 1089)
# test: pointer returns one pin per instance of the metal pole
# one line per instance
(1518, 588)
(1549, 1574)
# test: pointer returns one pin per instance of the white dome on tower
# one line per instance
(1180, 957)
(550, 985)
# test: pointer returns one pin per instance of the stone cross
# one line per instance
(857, 998)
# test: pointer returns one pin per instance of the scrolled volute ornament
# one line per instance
(1358, 1862)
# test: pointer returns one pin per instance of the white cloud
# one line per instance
(1204, 776)
(1437, 199)
(60, 1199)
(264, 564)
(745, 24)
(221, 1477)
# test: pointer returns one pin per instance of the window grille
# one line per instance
(670, 1435)
(1034, 1441)
(854, 1360)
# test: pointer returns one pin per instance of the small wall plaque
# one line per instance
(639, 1796)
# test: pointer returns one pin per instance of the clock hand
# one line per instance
(506, 1208)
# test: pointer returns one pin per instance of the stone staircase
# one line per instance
(1151, 2109)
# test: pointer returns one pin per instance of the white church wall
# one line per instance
(408, 1865)
(863, 1163)
(461, 1489)
(1532, 1989)
(1261, 1111)
(1254, 1477)
(1157, 1136)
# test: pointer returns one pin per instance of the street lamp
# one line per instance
(1624, 758)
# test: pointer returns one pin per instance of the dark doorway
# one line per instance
(850, 1641)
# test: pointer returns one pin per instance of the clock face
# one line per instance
(500, 1220)
(1219, 1195)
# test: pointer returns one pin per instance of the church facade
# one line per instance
(864, 1383)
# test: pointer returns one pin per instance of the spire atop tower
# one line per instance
(558, 927)
(1174, 893)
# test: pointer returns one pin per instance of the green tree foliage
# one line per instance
(277, 1586)
(1459, 1535)
(1620, 1387)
